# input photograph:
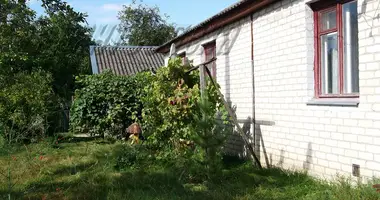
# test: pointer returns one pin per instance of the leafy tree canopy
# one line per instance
(142, 25)
(56, 43)
(39, 59)
(63, 43)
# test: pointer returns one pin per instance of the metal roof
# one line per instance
(207, 21)
(125, 60)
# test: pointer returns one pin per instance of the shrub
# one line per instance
(24, 105)
(173, 113)
(107, 103)
(210, 129)
(171, 104)
(168, 105)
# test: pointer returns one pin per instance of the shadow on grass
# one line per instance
(239, 180)
(94, 177)
(127, 185)
(87, 185)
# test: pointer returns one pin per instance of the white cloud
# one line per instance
(100, 13)
(112, 7)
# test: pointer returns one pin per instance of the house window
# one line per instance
(183, 57)
(210, 53)
(336, 54)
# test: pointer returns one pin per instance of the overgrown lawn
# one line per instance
(86, 170)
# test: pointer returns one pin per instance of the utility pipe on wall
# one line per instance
(253, 85)
(348, 64)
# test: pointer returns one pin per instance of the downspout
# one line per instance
(253, 85)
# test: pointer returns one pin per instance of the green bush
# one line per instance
(106, 104)
(24, 105)
(170, 104)
(188, 133)
(181, 130)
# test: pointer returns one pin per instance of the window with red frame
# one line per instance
(210, 53)
(336, 53)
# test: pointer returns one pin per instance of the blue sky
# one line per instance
(181, 12)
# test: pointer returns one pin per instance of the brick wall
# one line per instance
(324, 140)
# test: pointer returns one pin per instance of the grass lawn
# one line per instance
(86, 170)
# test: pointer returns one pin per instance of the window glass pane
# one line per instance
(328, 20)
(350, 45)
(210, 52)
(329, 64)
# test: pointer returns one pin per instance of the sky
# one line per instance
(103, 13)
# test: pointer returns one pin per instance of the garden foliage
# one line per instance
(171, 104)
(106, 104)
(39, 59)
(181, 128)
(24, 105)
(181, 124)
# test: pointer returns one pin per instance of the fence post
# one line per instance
(202, 79)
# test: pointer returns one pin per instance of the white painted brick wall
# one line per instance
(339, 136)
(324, 140)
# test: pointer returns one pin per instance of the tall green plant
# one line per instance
(211, 128)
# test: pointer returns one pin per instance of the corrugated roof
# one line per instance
(207, 21)
(125, 60)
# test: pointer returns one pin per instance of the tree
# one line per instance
(63, 43)
(16, 37)
(142, 25)
(57, 43)
(39, 59)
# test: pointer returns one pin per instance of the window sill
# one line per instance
(346, 102)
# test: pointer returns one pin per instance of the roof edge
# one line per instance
(94, 64)
(229, 15)
(125, 46)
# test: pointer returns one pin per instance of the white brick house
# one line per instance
(312, 89)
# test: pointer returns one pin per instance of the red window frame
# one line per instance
(320, 8)
(210, 53)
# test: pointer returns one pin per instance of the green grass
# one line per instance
(86, 170)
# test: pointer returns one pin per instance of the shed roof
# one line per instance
(125, 60)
